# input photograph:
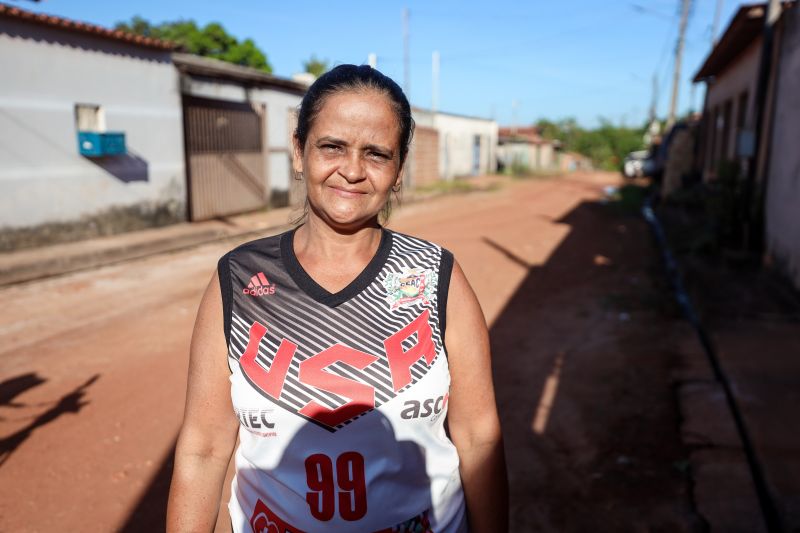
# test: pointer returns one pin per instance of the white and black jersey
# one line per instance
(341, 397)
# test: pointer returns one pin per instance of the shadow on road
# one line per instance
(582, 365)
(150, 513)
(71, 402)
(13, 387)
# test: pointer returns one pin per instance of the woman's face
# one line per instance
(351, 158)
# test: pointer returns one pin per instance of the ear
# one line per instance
(399, 179)
(297, 155)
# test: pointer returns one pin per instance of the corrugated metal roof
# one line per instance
(83, 27)
(215, 68)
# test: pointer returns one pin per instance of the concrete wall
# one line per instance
(547, 156)
(280, 107)
(533, 157)
(48, 191)
(457, 136)
(783, 184)
(740, 76)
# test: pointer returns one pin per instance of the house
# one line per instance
(102, 132)
(573, 161)
(730, 144)
(467, 145)
(238, 127)
(731, 73)
(524, 149)
(62, 77)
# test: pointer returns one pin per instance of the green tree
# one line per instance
(607, 145)
(315, 66)
(212, 40)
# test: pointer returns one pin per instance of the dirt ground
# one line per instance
(93, 369)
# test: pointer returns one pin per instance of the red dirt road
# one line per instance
(93, 369)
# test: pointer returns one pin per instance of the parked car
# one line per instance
(637, 164)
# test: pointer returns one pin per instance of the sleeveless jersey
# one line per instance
(341, 397)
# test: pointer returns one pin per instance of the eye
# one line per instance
(378, 155)
(331, 148)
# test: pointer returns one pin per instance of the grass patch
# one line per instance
(456, 186)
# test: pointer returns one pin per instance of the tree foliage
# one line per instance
(606, 145)
(212, 40)
(315, 66)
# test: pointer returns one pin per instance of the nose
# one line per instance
(352, 168)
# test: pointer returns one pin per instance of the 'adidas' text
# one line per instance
(259, 286)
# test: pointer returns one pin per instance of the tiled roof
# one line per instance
(82, 27)
(521, 134)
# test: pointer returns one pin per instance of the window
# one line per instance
(741, 113)
(726, 130)
(90, 117)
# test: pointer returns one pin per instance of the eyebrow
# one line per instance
(340, 142)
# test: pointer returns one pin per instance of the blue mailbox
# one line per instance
(97, 144)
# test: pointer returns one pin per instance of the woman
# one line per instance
(348, 345)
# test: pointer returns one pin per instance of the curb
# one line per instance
(726, 471)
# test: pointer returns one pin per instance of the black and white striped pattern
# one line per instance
(362, 322)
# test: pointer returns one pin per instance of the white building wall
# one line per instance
(740, 77)
(43, 178)
(457, 144)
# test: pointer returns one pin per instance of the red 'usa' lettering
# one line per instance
(270, 381)
(313, 371)
(400, 360)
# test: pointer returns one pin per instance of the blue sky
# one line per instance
(584, 58)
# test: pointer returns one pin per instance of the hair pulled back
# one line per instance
(345, 78)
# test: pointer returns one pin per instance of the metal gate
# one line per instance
(225, 157)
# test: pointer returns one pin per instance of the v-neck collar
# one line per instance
(320, 293)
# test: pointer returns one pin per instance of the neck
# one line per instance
(330, 242)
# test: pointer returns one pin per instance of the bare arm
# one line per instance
(472, 413)
(208, 434)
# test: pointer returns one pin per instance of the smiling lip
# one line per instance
(347, 193)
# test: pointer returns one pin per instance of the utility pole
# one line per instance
(714, 28)
(372, 60)
(435, 78)
(406, 60)
(653, 127)
(514, 107)
(654, 101)
(676, 76)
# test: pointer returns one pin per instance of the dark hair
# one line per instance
(354, 78)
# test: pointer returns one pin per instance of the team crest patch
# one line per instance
(410, 286)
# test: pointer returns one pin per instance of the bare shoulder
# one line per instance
(472, 413)
(465, 320)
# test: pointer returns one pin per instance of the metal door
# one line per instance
(225, 157)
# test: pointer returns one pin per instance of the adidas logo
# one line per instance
(259, 286)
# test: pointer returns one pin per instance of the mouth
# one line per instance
(347, 193)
